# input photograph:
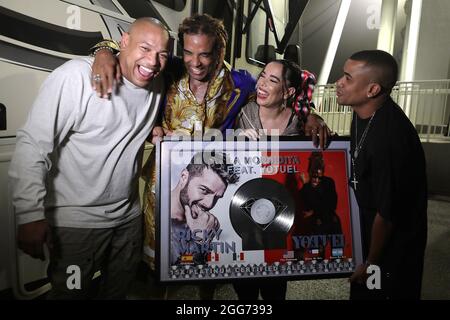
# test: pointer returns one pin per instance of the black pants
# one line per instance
(270, 289)
(406, 283)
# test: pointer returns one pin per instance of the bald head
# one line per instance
(384, 68)
(144, 51)
(145, 21)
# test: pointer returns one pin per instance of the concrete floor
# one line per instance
(436, 279)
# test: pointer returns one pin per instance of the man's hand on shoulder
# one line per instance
(105, 73)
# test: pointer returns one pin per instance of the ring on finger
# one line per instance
(97, 77)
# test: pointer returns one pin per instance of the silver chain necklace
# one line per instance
(358, 147)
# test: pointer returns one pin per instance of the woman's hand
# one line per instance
(317, 128)
(250, 133)
(105, 71)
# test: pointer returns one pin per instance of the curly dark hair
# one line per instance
(207, 25)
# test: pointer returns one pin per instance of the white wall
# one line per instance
(61, 13)
(19, 87)
(360, 32)
(433, 53)
(317, 22)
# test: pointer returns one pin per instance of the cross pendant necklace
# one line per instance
(354, 181)
(358, 147)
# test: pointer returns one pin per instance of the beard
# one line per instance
(186, 201)
(184, 198)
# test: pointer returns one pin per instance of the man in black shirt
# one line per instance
(388, 177)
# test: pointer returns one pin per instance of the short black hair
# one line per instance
(316, 162)
(382, 61)
(218, 162)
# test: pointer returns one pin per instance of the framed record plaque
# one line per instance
(240, 209)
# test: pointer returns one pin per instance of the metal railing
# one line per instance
(426, 103)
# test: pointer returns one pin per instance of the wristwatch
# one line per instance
(108, 44)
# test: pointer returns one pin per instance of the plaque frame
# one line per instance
(300, 258)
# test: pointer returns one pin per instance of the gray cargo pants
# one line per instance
(78, 253)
